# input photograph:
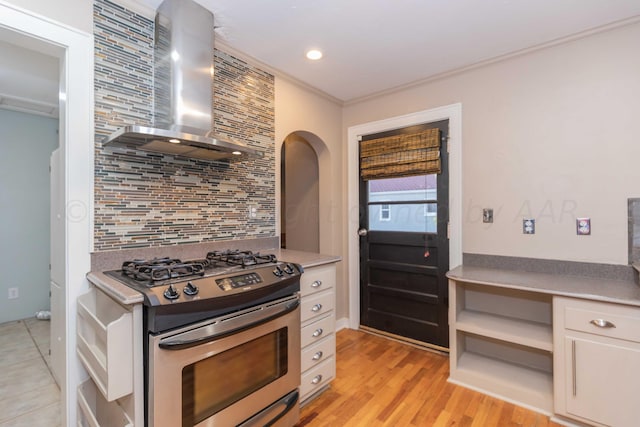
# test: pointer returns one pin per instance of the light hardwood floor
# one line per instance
(381, 382)
(29, 396)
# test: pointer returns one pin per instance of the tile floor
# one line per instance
(29, 396)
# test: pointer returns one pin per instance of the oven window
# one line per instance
(212, 384)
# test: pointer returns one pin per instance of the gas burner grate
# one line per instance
(241, 258)
(160, 269)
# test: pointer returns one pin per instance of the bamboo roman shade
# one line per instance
(401, 155)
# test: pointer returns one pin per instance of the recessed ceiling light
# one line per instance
(236, 153)
(314, 54)
(174, 141)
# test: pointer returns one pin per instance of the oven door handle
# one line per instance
(229, 324)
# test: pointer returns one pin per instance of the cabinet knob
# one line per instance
(317, 332)
(317, 356)
(601, 323)
(316, 308)
(316, 379)
(316, 284)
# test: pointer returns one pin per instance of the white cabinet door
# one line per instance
(602, 379)
(57, 339)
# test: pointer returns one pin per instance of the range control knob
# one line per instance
(288, 269)
(277, 272)
(171, 293)
(191, 289)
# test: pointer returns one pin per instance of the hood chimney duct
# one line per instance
(183, 89)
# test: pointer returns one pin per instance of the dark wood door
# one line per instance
(404, 254)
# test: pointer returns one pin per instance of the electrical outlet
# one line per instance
(529, 226)
(253, 211)
(13, 293)
(583, 226)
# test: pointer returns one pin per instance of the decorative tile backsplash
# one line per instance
(146, 199)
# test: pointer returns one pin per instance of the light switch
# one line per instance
(487, 215)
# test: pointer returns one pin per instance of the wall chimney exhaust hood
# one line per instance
(183, 86)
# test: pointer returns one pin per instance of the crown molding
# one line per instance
(496, 59)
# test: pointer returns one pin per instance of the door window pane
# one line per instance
(404, 217)
(395, 216)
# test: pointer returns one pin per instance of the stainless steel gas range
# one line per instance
(222, 339)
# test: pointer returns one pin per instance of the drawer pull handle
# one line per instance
(316, 379)
(601, 323)
(316, 284)
(317, 332)
(573, 367)
(317, 356)
(316, 308)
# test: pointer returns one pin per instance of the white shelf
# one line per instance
(522, 332)
(93, 407)
(510, 382)
(105, 343)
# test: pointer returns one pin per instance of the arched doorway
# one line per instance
(300, 219)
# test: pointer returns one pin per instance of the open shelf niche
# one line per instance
(501, 343)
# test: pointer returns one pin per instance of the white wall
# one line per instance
(27, 142)
(552, 135)
(318, 119)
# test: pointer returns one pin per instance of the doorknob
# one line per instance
(363, 232)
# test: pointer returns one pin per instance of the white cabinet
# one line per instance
(109, 344)
(597, 362)
(501, 343)
(317, 314)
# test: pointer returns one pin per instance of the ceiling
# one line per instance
(370, 46)
(375, 45)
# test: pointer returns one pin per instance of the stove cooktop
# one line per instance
(221, 274)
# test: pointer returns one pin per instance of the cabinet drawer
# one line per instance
(316, 305)
(318, 352)
(317, 330)
(317, 377)
(610, 320)
(317, 279)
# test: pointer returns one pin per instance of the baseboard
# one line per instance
(342, 323)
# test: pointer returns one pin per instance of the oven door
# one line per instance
(240, 369)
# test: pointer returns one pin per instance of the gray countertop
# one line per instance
(116, 290)
(128, 296)
(599, 289)
(305, 259)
